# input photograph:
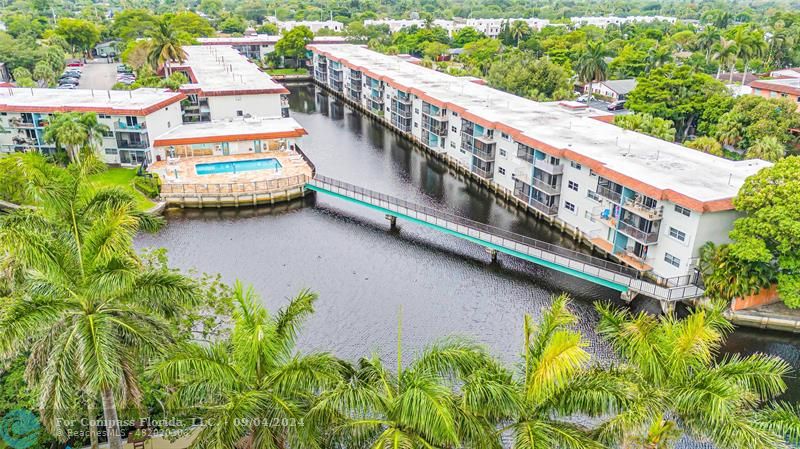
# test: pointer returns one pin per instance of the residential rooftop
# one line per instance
(621, 87)
(142, 101)
(263, 39)
(234, 130)
(783, 85)
(221, 70)
(652, 166)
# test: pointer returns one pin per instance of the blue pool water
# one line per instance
(237, 166)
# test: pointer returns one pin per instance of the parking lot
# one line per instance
(98, 75)
(603, 106)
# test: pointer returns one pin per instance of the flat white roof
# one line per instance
(141, 101)
(231, 130)
(222, 70)
(647, 160)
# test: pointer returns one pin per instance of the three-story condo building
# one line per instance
(650, 203)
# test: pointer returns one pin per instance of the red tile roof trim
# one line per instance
(775, 87)
(598, 166)
(232, 138)
(99, 110)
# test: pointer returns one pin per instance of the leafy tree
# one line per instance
(706, 145)
(727, 277)
(630, 62)
(466, 35)
(211, 7)
(293, 43)
(675, 93)
(686, 388)
(190, 24)
(522, 74)
(647, 124)
(432, 50)
(480, 54)
(768, 148)
(21, 73)
(268, 28)
(25, 25)
(75, 132)
(86, 308)
(253, 10)
(768, 233)
(43, 73)
(136, 54)
(251, 376)
(130, 24)
(716, 106)
(591, 65)
(80, 34)
(556, 381)
(753, 118)
(232, 24)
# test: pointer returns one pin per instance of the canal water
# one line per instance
(367, 276)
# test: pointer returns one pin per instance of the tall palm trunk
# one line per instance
(112, 422)
(93, 438)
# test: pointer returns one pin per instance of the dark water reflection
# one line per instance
(364, 273)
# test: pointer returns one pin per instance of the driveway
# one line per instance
(603, 106)
(98, 74)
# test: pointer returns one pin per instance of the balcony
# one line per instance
(478, 149)
(544, 208)
(545, 165)
(483, 173)
(434, 127)
(19, 123)
(433, 111)
(609, 194)
(637, 234)
(547, 187)
(123, 144)
(642, 210)
(485, 138)
(125, 127)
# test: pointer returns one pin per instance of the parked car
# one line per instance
(68, 81)
(75, 63)
(71, 74)
(67, 86)
(616, 106)
(585, 98)
(122, 68)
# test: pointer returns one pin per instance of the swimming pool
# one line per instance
(215, 168)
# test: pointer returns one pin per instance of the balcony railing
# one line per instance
(19, 123)
(642, 210)
(134, 145)
(483, 173)
(637, 234)
(547, 187)
(612, 195)
(544, 208)
(544, 165)
(122, 126)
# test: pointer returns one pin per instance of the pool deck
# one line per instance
(292, 164)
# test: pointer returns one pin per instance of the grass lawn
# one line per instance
(122, 177)
(299, 71)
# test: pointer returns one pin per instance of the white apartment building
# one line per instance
(489, 27)
(604, 21)
(226, 96)
(258, 46)
(649, 202)
(225, 84)
(313, 25)
(133, 118)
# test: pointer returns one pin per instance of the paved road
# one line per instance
(98, 75)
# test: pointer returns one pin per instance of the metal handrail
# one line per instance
(671, 289)
(306, 159)
(270, 185)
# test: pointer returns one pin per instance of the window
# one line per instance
(108, 133)
(111, 151)
(505, 136)
(239, 113)
(452, 144)
(103, 116)
(455, 114)
(683, 210)
(592, 173)
(569, 206)
(453, 128)
(416, 110)
(463, 152)
(416, 125)
(501, 170)
(502, 152)
(575, 165)
(573, 185)
(672, 260)
(676, 234)
(592, 195)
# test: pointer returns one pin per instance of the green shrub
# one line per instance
(149, 186)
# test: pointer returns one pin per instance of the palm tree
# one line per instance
(658, 56)
(685, 387)
(166, 45)
(555, 382)
(706, 40)
(768, 148)
(95, 131)
(519, 30)
(66, 130)
(85, 306)
(252, 377)
(591, 65)
(413, 407)
(725, 52)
